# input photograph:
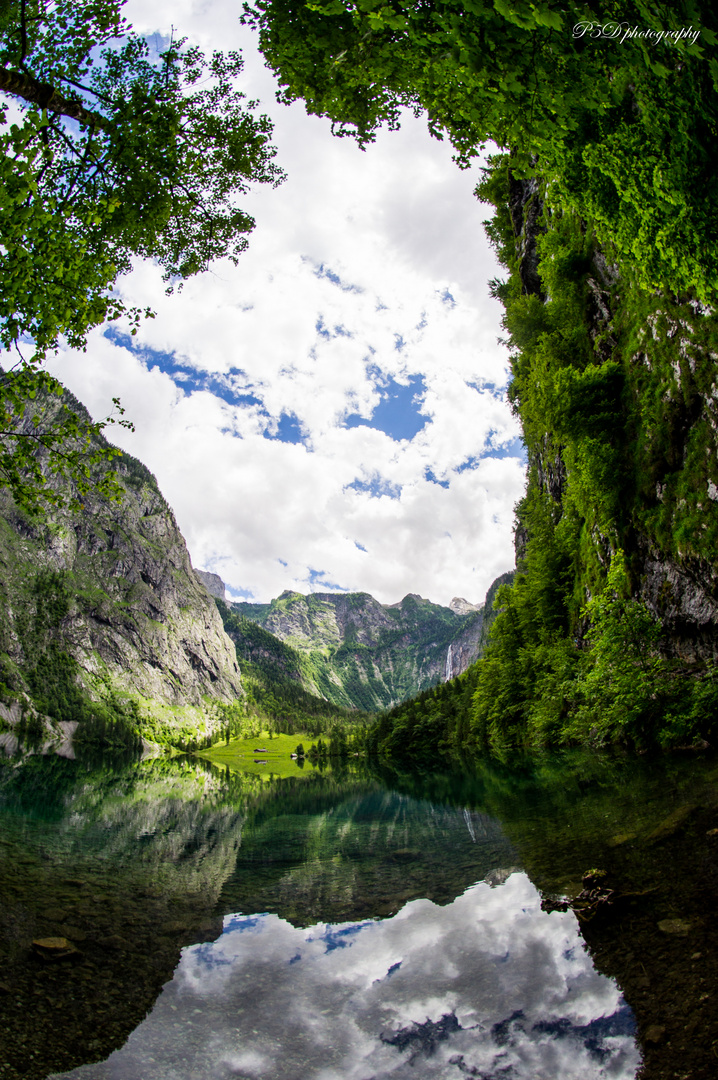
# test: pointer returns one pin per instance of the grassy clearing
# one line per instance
(241, 755)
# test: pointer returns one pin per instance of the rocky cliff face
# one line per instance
(363, 654)
(637, 464)
(213, 584)
(104, 601)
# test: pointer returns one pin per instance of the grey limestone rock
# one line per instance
(139, 622)
(213, 584)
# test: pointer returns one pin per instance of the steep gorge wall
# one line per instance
(105, 598)
(620, 420)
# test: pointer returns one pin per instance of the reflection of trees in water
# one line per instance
(364, 852)
(134, 861)
(124, 862)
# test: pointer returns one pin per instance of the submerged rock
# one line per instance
(55, 948)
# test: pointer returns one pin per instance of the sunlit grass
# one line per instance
(242, 755)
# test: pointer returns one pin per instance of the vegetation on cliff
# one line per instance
(274, 678)
(608, 632)
(103, 624)
(605, 220)
(360, 654)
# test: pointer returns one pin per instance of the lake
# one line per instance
(360, 922)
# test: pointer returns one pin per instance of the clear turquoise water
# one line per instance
(349, 925)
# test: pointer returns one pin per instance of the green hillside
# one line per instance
(274, 681)
(353, 651)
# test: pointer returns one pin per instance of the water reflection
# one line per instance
(487, 986)
(132, 861)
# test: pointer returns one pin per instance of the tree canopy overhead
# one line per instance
(109, 150)
(117, 152)
(619, 121)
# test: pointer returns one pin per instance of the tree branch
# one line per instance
(47, 97)
(85, 89)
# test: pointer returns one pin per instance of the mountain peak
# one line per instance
(213, 583)
(462, 607)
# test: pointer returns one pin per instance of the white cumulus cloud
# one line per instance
(329, 413)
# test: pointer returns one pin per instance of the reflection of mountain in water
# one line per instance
(131, 864)
(363, 856)
(127, 865)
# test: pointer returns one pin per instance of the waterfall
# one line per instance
(449, 672)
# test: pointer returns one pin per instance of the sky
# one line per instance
(330, 414)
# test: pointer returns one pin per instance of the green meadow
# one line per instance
(241, 755)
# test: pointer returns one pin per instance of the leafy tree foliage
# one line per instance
(614, 386)
(47, 436)
(108, 153)
(622, 126)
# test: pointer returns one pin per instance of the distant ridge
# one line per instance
(357, 653)
(213, 584)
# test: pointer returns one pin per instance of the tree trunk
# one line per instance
(47, 97)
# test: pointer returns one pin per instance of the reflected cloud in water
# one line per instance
(488, 986)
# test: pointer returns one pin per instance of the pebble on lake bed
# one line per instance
(674, 926)
(55, 948)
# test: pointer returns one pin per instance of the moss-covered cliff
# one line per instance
(103, 621)
(609, 631)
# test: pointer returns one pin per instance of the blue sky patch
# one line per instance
(433, 479)
(376, 487)
(398, 412)
(209, 957)
(324, 331)
(238, 594)
(317, 580)
(288, 430)
(498, 392)
(323, 271)
(228, 387)
(514, 449)
(340, 937)
(470, 463)
(242, 922)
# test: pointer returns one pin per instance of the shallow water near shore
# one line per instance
(359, 923)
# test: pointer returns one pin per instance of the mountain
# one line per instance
(356, 652)
(108, 633)
(102, 616)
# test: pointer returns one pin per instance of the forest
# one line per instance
(599, 140)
